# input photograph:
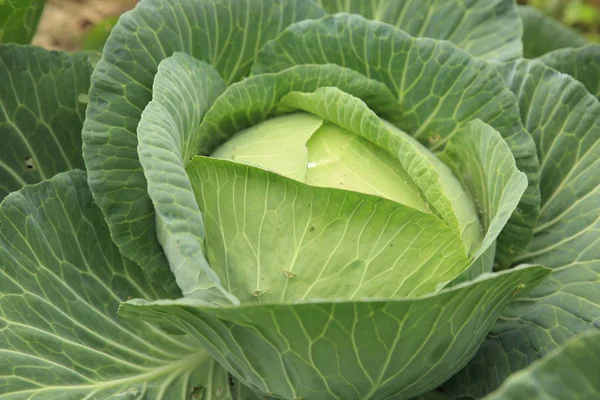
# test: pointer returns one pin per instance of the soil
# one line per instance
(64, 23)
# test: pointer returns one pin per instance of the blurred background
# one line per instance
(583, 15)
(85, 24)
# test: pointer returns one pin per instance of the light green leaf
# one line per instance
(543, 34)
(346, 350)
(266, 233)
(439, 191)
(567, 374)
(61, 282)
(279, 144)
(562, 307)
(42, 105)
(184, 88)
(489, 29)
(439, 89)
(483, 163)
(564, 120)
(582, 63)
(224, 33)
(19, 20)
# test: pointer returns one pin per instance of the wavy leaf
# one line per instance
(394, 349)
(184, 88)
(489, 29)
(570, 373)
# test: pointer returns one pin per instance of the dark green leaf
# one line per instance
(42, 105)
(543, 34)
(570, 373)
(19, 20)
(488, 29)
(61, 282)
(582, 63)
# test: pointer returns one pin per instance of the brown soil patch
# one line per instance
(65, 22)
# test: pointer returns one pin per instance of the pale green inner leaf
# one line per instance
(270, 238)
(341, 159)
(278, 144)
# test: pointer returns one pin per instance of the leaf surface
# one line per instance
(19, 20)
(581, 63)
(569, 373)
(346, 350)
(489, 29)
(274, 239)
(483, 163)
(543, 34)
(61, 282)
(42, 106)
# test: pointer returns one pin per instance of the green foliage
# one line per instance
(40, 124)
(294, 199)
(19, 20)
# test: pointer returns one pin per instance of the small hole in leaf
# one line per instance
(29, 164)
(289, 274)
(434, 139)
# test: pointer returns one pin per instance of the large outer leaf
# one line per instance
(61, 281)
(226, 34)
(489, 29)
(41, 114)
(439, 89)
(568, 374)
(543, 34)
(346, 350)
(564, 119)
(582, 63)
(184, 88)
(274, 239)
(562, 307)
(19, 19)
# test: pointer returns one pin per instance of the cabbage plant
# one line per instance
(302, 199)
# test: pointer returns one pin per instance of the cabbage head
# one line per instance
(304, 199)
